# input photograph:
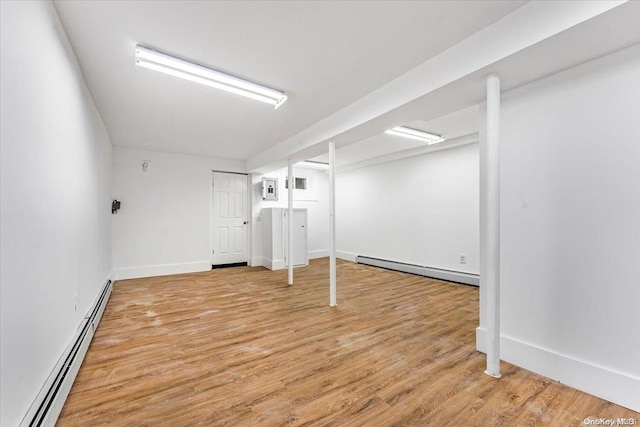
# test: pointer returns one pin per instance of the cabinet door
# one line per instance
(300, 253)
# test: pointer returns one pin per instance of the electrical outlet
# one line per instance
(463, 259)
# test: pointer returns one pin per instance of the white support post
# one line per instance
(290, 224)
(493, 226)
(332, 225)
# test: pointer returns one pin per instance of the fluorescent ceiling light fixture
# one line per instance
(312, 164)
(163, 63)
(429, 138)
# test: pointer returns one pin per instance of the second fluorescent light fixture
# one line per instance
(177, 67)
(420, 135)
(312, 164)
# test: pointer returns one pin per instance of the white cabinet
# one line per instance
(275, 238)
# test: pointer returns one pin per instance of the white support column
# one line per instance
(290, 223)
(332, 225)
(493, 226)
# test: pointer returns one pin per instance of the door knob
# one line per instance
(245, 223)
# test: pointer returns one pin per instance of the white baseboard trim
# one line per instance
(614, 386)
(347, 256)
(437, 273)
(277, 264)
(319, 254)
(256, 261)
(46, 407)
(161, 270)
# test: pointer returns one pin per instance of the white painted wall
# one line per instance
(420, 210)
(316, 201)
(55, 201)
(570, 226)
(163, 226)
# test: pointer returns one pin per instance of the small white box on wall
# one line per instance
(270, 189)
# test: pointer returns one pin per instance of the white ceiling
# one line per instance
(450, 126)
(540, 39)
(325, 55)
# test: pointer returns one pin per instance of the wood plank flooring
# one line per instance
(238, 347)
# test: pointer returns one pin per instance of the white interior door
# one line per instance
(229, 219)
(300, 254)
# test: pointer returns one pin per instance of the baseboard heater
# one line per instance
(48, 404)
(436, 273)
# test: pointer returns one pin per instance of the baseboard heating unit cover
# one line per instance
(48, 404)
(436, 273)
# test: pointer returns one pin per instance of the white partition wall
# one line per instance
(55, 201)
(420, 210)
(570, 259)
(164, 225)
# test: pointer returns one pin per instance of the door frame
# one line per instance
(249, 213)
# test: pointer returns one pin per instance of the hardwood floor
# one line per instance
(239, 347)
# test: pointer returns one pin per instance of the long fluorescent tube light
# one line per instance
(312, 164)
(429, 138)
(163, 63)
